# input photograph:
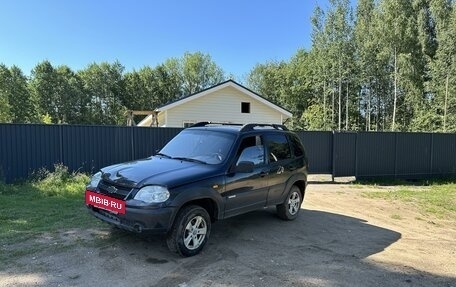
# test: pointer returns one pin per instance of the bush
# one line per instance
(59, 182)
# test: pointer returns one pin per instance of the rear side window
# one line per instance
(278, 147)
(298, 150)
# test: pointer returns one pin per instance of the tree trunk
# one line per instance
(379, 115)
(446, 104)
(340, 100)
(324, 104)
(393, 127)
(368, 118)
(346, 111)
(332, 108)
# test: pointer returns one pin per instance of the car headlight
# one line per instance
(95, 179)
(152, 194)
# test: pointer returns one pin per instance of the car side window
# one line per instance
(251, 149)
(298, 150)
(278, 147)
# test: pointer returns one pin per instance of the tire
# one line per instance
(190, 231)
(289, 210)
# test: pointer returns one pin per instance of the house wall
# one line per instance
(221, 106)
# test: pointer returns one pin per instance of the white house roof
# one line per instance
(229, 83)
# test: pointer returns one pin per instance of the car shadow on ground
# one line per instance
(317, 249)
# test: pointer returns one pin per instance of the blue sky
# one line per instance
(237, 34)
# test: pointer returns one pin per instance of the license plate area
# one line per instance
(114, 205)
(109, 214)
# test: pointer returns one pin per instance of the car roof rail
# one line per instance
(251, 127)
(205, 124)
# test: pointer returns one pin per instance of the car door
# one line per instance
(246, 191)
(280, 163)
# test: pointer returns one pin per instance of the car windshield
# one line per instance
(209, 147)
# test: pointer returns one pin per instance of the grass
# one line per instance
(52, 203)
(437, 198)
(396, 216)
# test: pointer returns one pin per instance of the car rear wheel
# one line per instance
(190, 231)
(289, 210)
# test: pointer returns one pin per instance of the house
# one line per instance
(227, 102)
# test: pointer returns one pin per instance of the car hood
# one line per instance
(157, 170)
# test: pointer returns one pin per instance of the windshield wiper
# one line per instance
(163, 155)
(190, 159)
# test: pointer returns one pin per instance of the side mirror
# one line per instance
(244, 167)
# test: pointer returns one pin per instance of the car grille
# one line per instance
(113, 190)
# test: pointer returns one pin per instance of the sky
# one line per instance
(236, 34)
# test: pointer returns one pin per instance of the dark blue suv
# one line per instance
(206, 173)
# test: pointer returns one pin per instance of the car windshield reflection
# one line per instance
(199, 146)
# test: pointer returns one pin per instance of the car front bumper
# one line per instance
(138, 220)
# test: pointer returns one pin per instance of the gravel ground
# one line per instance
(340, 239)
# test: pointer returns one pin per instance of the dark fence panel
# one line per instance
(376, 154)
(413, 155)
(87, 148)
(28, 147)
(344, 154)
(319, 150)
(25, 148)
(443, 154)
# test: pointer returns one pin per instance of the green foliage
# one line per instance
(16, 98)
(313, 118)
(104, 86)
(5, 109)
(102, 92)
(391, 67)
(199, 72)
(46, 119)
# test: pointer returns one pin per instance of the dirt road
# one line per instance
(340, 239)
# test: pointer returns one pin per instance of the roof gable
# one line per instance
(229, 83)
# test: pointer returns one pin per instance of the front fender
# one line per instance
(205, 189)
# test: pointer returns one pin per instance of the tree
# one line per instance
(104, 86)
(5, 89)
(24, 106)
(398, 36)
(74, 102)
(444, 66)
(366, 50)
(199, 72)
(149, 88)
(267, 79)
(44, 87)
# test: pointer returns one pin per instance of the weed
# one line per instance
(438, 198)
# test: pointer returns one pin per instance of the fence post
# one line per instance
(61, 143)
(356, 156)
(431, 155)
(132, 142)
(333, 155)
(395, 155)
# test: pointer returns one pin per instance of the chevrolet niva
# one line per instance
(206, 173)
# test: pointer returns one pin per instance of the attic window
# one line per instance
(245, 108)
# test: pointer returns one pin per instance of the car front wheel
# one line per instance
(190, 231)
(289, 210)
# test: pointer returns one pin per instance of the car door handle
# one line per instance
(280, 170)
